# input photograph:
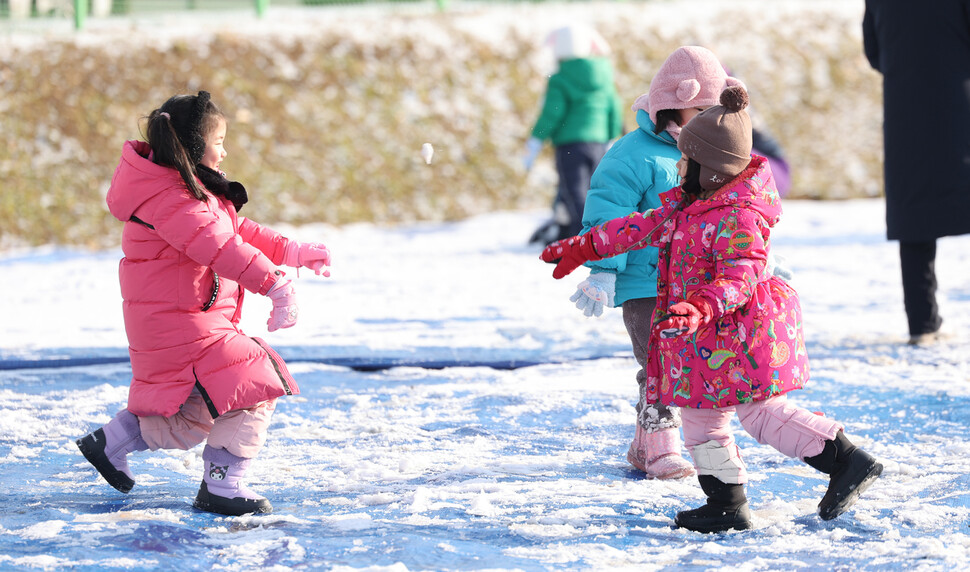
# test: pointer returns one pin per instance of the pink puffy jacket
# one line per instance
(184, 263)
(717, 249)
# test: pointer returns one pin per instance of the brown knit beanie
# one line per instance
(719, 139)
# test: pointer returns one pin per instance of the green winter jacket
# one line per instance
(581, 104)
(630, 178)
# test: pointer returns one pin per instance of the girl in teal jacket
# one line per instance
(630, 177)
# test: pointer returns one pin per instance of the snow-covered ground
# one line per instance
(476, 467)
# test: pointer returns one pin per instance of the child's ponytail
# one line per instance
(176, 134)
(168, 151)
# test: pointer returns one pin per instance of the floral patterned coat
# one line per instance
(717, 249)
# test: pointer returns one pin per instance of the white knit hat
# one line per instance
(577, 41)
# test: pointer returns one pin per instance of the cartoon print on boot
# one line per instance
(217, 473)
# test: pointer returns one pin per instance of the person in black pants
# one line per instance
(581, 114)
(922, 50)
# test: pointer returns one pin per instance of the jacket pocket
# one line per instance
(215, 293)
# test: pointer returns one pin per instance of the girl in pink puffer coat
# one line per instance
(727, 334)
(189, 257)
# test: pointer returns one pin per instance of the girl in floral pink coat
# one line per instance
(727, 335)
(189, 257)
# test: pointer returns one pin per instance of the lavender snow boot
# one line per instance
(222, 490)
(658, 454)
(107, 449)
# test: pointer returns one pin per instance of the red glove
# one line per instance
(685, 318)
(569, 254)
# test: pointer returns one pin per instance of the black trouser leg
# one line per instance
(918, 261)
(575, 163)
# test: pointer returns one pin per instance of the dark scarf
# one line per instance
(217, 184)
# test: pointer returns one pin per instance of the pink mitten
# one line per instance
(685, 318)
(570, 254)
(284, 305)
(312, 255)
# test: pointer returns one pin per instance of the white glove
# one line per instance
(532, 148)
(778, 266)
(595, 292)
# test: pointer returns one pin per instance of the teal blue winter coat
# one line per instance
(630, 178)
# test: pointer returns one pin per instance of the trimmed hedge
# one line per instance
(328, 126)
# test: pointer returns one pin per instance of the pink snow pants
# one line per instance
(794, 431)
(242, 432)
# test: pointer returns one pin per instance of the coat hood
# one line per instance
(587, 74)
(754, 188)
(137, 179)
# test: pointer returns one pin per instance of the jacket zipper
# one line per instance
(273, 357)
(205, 397)
(141, 222)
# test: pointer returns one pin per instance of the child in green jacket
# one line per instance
(581, 114)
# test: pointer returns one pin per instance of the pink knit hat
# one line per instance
(692, 76)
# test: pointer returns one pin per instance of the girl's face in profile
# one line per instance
(215, 150)
(682, 167)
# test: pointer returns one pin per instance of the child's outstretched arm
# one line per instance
(637, 230)
(193, 228)
(285, 251)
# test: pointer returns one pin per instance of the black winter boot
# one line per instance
(852, 470)
(107, 448)
(726, 508)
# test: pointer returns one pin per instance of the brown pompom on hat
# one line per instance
(719, 139)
